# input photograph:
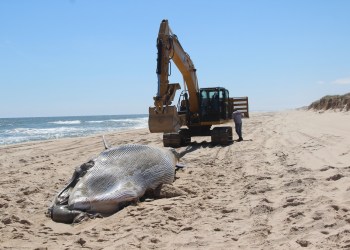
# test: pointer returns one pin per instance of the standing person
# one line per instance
(237, 119)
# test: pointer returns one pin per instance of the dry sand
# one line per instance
(287, 186)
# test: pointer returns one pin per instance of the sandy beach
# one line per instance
(286, 186)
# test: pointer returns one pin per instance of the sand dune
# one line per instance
(286, 186)
(332, 102)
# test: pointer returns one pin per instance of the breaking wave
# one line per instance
(66, 122)
(17, 130)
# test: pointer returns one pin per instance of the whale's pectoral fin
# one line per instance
(63, 195)
(179, 166)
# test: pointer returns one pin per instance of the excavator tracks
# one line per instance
(176, 140)
(219, 136)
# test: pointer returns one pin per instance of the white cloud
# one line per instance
(342, 81)
(321, 82)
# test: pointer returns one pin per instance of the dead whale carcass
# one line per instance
(116, 177)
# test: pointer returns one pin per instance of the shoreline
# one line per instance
(19, 130)
(74, 137)
(126, 130)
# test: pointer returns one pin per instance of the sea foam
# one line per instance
(17, 130)
(66, 122)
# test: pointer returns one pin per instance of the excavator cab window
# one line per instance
(210, 104)
(225, 104)
(204, 104)
(214, 104)
(183, 105)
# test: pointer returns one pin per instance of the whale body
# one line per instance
(113, 179)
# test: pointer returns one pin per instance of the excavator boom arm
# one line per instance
(169, 48)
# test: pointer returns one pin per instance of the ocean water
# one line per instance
(17, 130)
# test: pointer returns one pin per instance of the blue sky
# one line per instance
(99, 57)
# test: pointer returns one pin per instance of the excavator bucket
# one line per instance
(167, 121)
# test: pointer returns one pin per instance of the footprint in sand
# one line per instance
(293, 202)
(335, 177)
(297, 230)
(25, 222)
(326, 168)
(23, 161)
(81, 242)
(317, 216)
(303, 243)
(330, 225)
(6, 221)
(154, 240)
(335, 207)
(296, 215)
(4, 205)
(341, 239)
(29, 191)
(294, 183)
(261, 209)
(141, 237)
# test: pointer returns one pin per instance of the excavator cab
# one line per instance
(214, 104)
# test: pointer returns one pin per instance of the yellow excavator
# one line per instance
(198, 109)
